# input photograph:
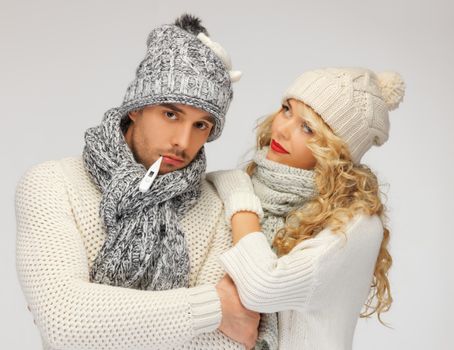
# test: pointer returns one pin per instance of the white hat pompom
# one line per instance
(222, 54)
(392, 88)
(235, 75)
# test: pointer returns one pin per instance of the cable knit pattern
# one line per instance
(354, 102)
(179, 68)
(59, 234)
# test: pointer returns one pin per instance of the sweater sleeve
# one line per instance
(267, 283)
(210, 274)
(70, 311)
(212, 271)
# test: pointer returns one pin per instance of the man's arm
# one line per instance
(237, 322)
(70, 311)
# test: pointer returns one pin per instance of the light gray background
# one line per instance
(64, 63)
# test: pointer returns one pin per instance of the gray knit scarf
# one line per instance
(145, 247)
(281, 189)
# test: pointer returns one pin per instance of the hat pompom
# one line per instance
(235, 75)
(392, 88)
(222, 54)
(191, 24)
(217, 48)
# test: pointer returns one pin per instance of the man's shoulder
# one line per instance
(52, 171)
(49, 165)
(209, 206)
(209, 191)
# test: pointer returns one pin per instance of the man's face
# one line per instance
(175, 131)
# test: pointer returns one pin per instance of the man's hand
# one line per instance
(237, 322)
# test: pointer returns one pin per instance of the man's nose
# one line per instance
(182, 137)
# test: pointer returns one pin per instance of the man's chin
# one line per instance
(168, 168)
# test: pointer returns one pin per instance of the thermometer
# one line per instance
(149, 177)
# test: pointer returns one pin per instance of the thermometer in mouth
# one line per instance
(149, 177)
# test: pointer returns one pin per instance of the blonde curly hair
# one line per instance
(344, 189)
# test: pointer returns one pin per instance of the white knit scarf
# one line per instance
(281, 189)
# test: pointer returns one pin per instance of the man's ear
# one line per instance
(133, 115)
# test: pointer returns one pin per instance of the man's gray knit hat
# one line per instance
(183, 65)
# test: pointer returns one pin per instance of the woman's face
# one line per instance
(289, 136)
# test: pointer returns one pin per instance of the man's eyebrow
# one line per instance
(172, 107)
(209, 118)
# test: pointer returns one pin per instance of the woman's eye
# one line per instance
(306, 128)
(170, 115)
(286, 110)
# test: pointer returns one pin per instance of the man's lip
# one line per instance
(275, 146)
(176, 159)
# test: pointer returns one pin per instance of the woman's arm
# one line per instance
(268, 283)
(265, 282)
(243, 223)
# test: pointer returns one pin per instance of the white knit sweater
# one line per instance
(318, 288)
(59, 234)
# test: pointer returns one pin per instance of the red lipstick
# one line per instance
(276, 147)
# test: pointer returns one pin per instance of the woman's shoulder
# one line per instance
(363, 232)
(366, 229)
(359, 242)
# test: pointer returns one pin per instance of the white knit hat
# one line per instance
(354, 102)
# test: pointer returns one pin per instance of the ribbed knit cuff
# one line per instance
(238, 257)
(206, 308)
(242, 201)
(254, 243)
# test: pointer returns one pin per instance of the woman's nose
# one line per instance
(284, 129)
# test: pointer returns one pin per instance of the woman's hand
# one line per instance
(242, 207)
(236, 191)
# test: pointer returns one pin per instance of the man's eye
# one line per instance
(201, 126)
(170, 115)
